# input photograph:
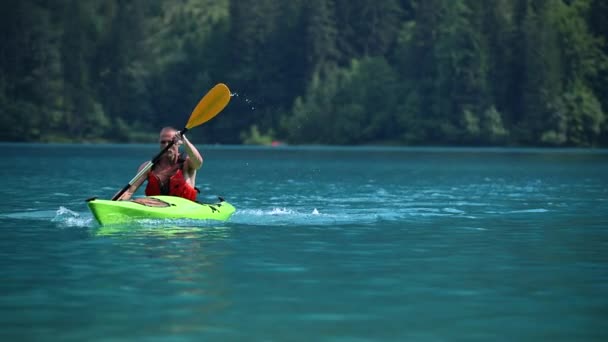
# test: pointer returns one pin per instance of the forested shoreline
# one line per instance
(344, 72)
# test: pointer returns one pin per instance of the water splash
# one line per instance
(63, 211)
(248, 101)
(281, 211)
(70, 218)
(282, 216)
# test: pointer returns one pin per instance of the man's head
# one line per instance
(167, 134)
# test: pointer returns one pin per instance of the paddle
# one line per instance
(208, 107)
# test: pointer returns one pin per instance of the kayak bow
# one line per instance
(158, 207)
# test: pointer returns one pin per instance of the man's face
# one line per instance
(165, 138)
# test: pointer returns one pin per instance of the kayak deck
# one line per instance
(108, 212)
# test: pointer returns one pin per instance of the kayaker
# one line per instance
(174, 174)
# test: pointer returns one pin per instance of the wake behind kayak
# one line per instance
(108, 212)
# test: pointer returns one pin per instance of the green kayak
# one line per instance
(158, 207)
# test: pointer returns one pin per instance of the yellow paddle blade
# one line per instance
(210, 105)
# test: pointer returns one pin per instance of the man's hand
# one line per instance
(178, 138)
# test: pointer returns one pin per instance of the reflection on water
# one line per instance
(177, 268)
(326, 244)
(159, 228)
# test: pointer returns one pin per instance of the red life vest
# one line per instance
(177, 185)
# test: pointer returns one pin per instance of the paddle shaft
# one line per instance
(147, 168)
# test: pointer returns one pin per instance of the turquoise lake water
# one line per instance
(327, 244)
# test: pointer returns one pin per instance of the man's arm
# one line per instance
(195, 160)
(133, 188)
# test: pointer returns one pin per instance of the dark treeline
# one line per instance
(404, 72)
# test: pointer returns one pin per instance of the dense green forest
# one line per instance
(400, 72)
